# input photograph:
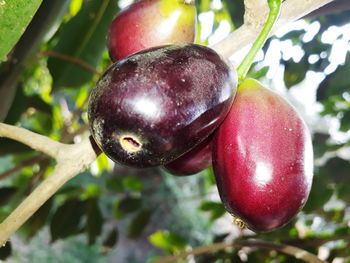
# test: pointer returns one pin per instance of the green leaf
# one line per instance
(84, 38)
(126, 205)
(319, 142)
(38, 219)
(236, 11)
(114, 184)
(295, 72)
(94, 220)
(216, 209)
(67, 218)
(5, 194)
(139, 223)
(257, 74)
(337, 170)
(345, 121)
(111, 239)
(167, 241)
(5, 251)
(132, 183)
(15, 16)
(319, 195)
(336, 83)
(102, 164)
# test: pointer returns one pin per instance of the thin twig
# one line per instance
(286, 249)
(21, 165)
(69, 59)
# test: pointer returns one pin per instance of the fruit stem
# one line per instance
(275, 7)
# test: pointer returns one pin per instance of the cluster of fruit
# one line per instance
(166, 101)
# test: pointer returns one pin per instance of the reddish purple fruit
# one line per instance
(262, 159)
(150, 23)
(192, 162)
(156, 105)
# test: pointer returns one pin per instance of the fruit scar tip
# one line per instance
(130, 143)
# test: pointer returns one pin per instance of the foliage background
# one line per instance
(116, 214)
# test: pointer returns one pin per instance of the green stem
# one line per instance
(275, 7)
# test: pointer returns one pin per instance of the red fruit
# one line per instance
(193, 161)
(150, 23)
(262, 158)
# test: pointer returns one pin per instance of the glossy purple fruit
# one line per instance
(154, 106)
(192, 162)
(262, 159)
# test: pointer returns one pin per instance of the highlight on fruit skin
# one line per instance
(154, 106)
(262, 159)
(150, 23)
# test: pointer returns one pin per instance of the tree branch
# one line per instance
(72, 60)
(33, 140)
(71, 160)
(23, 164)
(286, 249)
(254, 20)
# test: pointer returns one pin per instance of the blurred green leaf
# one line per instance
(126, 205)
(92, 191)
(236, 11)
(94, 220)
(38, 219)
(102, 164)
(216, 209)
(84, 38)
(337, 170)
(5, 251)
(139, 223)
(335, 83)
(15, 16)
(257, 74)
(114, 184)
(319, 141)
(21, 104)
(111, 239)
(66, 221)
(295, 72)
(167, 241)
(345, 121)
(319, 195)
(294, 36)
(5, 194)
(132, 183)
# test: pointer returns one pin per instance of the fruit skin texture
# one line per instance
(262, 159)
(156, 105)
(150, 23)
(192, 162)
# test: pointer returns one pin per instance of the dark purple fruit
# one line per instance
(262, 158)
(149, 23)
(192, 162)
(156, 105)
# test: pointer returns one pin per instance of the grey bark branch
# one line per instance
(291, 10)
(71, 160)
